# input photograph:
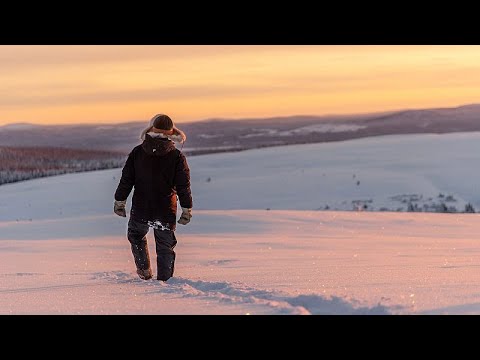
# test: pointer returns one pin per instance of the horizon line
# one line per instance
(379, 112)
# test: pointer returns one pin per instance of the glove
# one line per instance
(119, 208)
(186, 216)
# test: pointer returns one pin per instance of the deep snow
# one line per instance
(62, 250)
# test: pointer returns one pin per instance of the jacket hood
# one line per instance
(157, 145)
(177, 136)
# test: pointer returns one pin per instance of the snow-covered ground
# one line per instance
(62, 250)
(383, 172)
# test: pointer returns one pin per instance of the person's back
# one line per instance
(158, 172)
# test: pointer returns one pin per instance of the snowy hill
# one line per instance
(62, 249)
(18, 127)
(216, 135)
(382, 172)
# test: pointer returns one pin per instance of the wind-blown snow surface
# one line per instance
(62, 250)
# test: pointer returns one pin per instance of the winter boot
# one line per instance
(142, 260)
(144, 274)
(165, 266)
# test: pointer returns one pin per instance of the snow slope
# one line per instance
(63, 251)
(310, 177)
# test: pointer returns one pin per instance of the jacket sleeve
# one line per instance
(127, 180)
(182, 182)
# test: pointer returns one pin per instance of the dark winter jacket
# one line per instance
(159, 172)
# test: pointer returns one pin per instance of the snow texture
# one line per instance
(63, 251)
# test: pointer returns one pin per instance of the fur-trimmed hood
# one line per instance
(178, 135)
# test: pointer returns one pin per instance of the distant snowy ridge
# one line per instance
(18, 126)
(253, 132)
(320, 128)
(323, 128)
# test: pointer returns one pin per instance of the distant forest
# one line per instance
(24, 163)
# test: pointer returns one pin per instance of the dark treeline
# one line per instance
(24, 163)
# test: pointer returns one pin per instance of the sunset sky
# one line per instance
(86, 84)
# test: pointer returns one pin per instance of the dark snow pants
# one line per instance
(165, 241)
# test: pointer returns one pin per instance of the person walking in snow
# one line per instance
(159, 173)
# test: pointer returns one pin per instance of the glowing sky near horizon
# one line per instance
(89, 84)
